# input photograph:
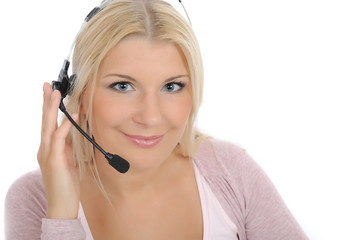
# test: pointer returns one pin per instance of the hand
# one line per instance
(55, 157)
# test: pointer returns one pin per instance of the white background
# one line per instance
(283, 80)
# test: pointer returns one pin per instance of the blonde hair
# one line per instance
(152, 19)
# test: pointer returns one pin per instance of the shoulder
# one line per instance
(221, 157)
(245, 192)
(28, 186)
(25, 205)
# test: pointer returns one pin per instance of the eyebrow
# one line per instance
(134, 80)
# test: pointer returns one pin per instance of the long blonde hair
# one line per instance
(152, 19)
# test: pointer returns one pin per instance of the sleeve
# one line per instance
(265, 214)
(25, 210)
(62, 229)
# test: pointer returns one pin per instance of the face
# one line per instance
(141, 103)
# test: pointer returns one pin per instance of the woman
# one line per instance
(137, 93)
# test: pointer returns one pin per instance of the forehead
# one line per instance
(140, 56)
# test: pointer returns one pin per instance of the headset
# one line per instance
(65, 84)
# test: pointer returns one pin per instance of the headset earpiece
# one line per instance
(71, 81)
(64, 83)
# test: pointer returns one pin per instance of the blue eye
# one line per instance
(122, 86)
(173, 87)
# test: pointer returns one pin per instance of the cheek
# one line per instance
(107, 112)
(177, 112)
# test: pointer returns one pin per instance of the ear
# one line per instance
(82, 109)
(84, 103)
(83, 106)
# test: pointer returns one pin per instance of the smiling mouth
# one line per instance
(144, 141)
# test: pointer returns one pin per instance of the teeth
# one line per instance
(145, 141)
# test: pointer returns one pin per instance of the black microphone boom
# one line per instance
(117, 162)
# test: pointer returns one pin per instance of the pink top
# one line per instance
(235, 189)
(216, 223)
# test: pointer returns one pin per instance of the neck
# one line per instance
(136, 182)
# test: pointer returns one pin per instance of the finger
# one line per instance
(46, 100)
(51, 115)
(59, 136)
(47, 90)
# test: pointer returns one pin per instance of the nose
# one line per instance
(148, 112)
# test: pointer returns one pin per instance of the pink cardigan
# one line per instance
(244, 191)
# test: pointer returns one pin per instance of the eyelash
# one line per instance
(113, 86)
(180, 84)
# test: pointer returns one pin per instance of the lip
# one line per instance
(144, 141)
